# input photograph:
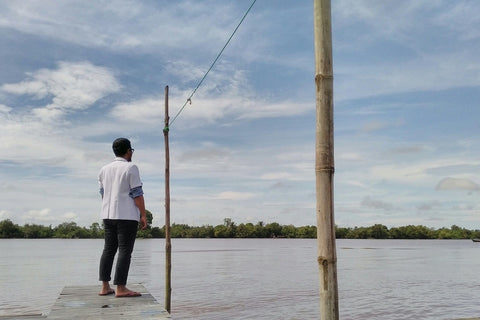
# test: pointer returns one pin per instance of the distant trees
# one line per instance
(35, 231)
(10, 230)
(379, 231)
(230, 229)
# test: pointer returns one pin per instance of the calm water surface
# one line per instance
(259, 278)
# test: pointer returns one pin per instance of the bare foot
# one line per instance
(128, 294)
(123, 291)
(106, 289)
(106, 293)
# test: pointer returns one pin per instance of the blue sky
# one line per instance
(75, 75)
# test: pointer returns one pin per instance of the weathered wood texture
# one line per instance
(168, 242)
(324, 161)
(83, 302)
(24, 317)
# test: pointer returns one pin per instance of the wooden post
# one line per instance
(168, 244)
(324, 163)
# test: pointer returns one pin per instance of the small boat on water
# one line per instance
(476, 240)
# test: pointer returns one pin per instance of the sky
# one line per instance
(75, 75)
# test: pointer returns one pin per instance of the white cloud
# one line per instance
(72, 86)
(272, 109)
(38, 89)
(185, 70)
(69, 88)
(43, 216)
(44, 145)
(433, 71)
(225, 92)
(48, 114)
(465, 14)
(208, 109)
(425, 61)
(457, 184)
(147, 110)
(70, 216)
(123, 25)
(4, 215)
(4, 109)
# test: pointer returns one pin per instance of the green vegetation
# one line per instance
(70, 230)
(379, 231)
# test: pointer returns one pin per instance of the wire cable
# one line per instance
(189, 99)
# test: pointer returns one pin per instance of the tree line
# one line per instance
(229, 229)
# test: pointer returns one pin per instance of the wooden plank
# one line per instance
(83, 302)
(24, 317)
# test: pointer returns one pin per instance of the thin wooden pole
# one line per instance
(324, 161)
(168, 244)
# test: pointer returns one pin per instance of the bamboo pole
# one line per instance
(168, 244)
(324, 161)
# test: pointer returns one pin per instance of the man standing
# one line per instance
(123, 207)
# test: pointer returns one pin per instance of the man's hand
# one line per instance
(140, 203)
(143, 222)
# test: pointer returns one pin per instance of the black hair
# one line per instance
(120, 146)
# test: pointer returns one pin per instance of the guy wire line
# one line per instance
(189, 99)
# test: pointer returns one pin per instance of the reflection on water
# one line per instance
(258, 278)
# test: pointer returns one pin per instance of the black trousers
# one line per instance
(119, 235)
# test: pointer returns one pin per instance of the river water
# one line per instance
(259, 278)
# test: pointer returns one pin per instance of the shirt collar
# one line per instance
(120, 159)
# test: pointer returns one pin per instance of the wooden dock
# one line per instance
(83, 303)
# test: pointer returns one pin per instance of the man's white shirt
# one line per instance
(117, 180)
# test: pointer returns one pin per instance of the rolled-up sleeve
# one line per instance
(100, 184)
(135, 183)
(136, 192)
